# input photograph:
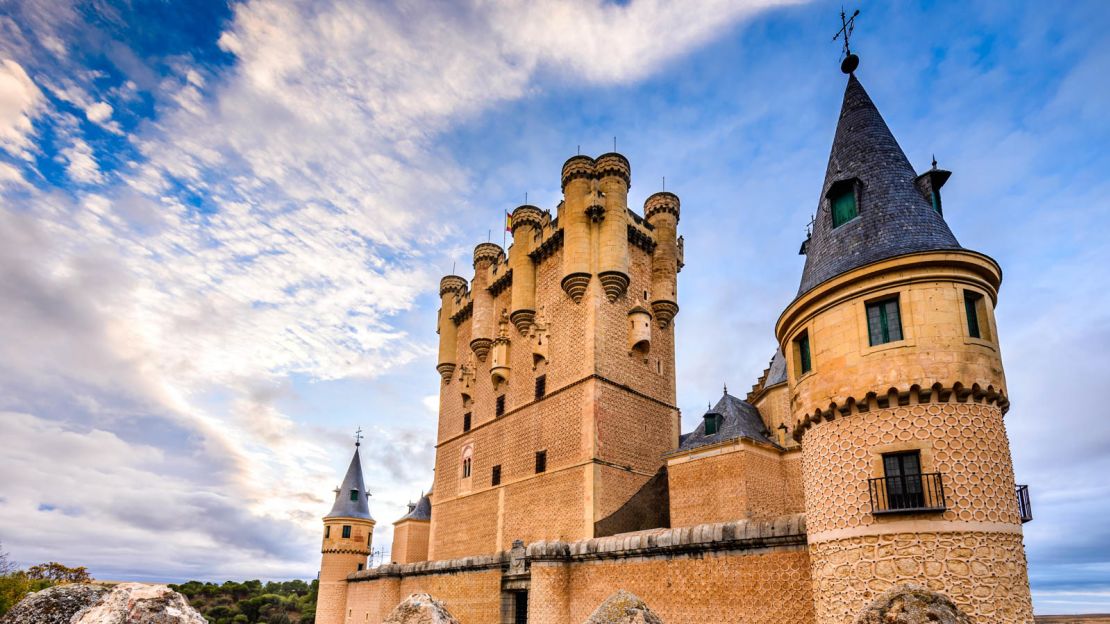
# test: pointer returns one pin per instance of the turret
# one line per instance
(526, 226)
(451, 289)
(614, 175)
(579, 195)
(662, 210)
(348, 529)
(482, 322)
(898, 391)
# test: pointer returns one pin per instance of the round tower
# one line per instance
(526, 227)
(661, 210)
(451, 288)
(898, 391)
(348, 531)
(578, 195)
(482, 325)
(614, 177)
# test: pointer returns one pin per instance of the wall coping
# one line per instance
(738, 535)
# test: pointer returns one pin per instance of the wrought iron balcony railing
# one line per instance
(911, 493)
(1025, 508)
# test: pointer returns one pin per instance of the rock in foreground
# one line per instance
(134, 603)
(127, 603)
(912, 604)
(623, 608)
(53, 605)
(420, 609)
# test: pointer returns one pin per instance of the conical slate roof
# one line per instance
(895, 217)
(353, 486)
(739, 419)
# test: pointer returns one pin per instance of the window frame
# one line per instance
(803, 354)
(541, 386)
(881, 304)
(467, 421)
(541, 461)
(353, 496)
(839, 189)
(715, 420)
(346, 531)
(327, 531)
(499, 408)
(495, 476)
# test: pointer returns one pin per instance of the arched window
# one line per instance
(467, 461)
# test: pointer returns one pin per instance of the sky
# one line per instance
(222, 227)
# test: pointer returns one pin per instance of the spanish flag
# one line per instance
(508, 222)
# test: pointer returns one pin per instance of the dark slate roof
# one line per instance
(776, 373)
(420, 510)
(344, 507)
(895, 218)
(740, 419)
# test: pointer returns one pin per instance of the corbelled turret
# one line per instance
(870, 207)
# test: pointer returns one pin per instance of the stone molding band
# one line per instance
(915, 526)
(916, 394)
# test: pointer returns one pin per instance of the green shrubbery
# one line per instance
(253, 602)
(16, 583)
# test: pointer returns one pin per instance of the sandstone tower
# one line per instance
(348, 529)
(557, 399)
(898, 390)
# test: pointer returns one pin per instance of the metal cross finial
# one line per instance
(358, 436)
(848, 24)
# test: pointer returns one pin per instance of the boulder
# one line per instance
(623, 608)
(127, 603)
(54, 605)
(912, 604)
(136, 603)
(420, 609)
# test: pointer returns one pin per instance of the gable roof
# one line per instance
(895, 217)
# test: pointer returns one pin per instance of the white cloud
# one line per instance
(20, 102)
(81, 165)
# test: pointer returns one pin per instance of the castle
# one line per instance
(870, 454)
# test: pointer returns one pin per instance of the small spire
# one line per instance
(847, 24)
(934, 161)
(358, 432)
(726, 388)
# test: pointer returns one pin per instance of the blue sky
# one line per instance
(221, 230)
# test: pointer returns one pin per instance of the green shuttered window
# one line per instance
(354, 495)
(971, 305)
(712, 424)
(843, 200)
(884, 321)
(805, 364)
(346, 531)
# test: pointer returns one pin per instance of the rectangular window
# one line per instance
(541, 461)
(973, 304)
(884, 321)
(801, 354)
(354, 495)
(327, 532)
(500, 406)
(466, 421)
(935, 196)
(541, 386)
(842, 198)
(712, 424)
(495, 478)
(466, 468)
(360, 567)
(346, 531)
(902, 472)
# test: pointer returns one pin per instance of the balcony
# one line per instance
(911, 493)
(1025, 508)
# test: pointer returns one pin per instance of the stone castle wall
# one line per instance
(726, 572)
(972, 551)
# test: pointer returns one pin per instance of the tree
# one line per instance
(58, 573)
(7, 566)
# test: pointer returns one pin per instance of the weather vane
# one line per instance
(848, 24)
(358, 437)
